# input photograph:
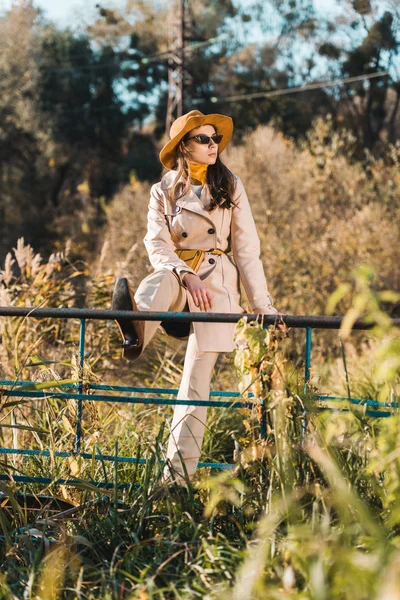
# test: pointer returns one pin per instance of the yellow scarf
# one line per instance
(198, 172)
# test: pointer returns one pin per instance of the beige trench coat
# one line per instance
(186, 224)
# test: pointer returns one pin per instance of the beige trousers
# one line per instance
(161, 291)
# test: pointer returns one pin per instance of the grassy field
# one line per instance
(309, 512)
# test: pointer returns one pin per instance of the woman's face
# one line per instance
(202, 153)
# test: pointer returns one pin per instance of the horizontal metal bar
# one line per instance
(21, 393)
(20, 382)
(368, 412)
(145, 390)
(121, 388)
(360, 401)
(99, 484)
(378, 413)
(48, 481)
(318, 322)
(65, 454)
(105, 457)
(126, 399)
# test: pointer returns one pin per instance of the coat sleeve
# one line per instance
(246, 253)
(158, 241)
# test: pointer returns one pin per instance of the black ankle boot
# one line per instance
(131, 331)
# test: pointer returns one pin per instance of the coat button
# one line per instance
(210, 231)
(211, 261)
(184, 234)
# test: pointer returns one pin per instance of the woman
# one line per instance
(201, 238)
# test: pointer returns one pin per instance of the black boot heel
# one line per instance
(131, 331)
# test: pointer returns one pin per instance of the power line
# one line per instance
(278, 92)
(158, 56)
(185, 49)
(81, 68)
(62, 109)
(293, 89)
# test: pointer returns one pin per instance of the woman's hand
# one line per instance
(201, 295)
(271, 310)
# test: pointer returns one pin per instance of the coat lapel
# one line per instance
(189, 202)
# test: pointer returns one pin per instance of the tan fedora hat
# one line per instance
(185, 123)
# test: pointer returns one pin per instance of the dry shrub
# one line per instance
(123, 252)
(319, 213)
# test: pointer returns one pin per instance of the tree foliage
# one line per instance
(83, 112)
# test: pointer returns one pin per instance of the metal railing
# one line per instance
(78, 391)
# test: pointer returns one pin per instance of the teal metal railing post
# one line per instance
(79, 406)
(307, 366)
(263, 409)
(263, 420)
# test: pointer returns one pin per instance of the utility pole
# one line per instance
(175, 62)
(181, 30)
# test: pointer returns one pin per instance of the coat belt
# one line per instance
(194, 258)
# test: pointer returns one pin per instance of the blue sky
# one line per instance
(75, 12)
(68, 12)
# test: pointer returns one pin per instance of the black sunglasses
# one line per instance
(205, 139)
